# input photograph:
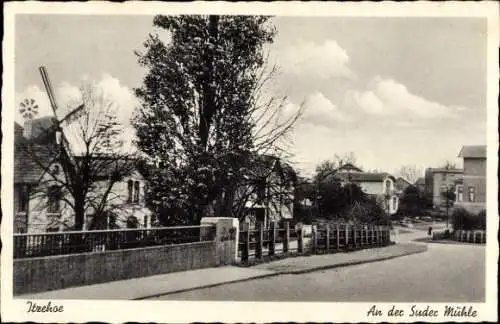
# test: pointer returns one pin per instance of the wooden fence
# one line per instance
(477, 236)
(325, 238)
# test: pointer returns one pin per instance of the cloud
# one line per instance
(320, 110)
(388, 97)
(322, 61)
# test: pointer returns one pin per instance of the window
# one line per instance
(394, 202)
(136, 191)
(145, 221)
(22, 198)
(460, 193)
(130, 190)
(54, 200)
(472, 194)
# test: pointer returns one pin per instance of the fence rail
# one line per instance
(71, 242)
(325, 238)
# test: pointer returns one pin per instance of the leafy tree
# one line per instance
(89, 162)
(448, 196)
(203, 118)
(411, 202)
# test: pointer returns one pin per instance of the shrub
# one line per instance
(464, 220)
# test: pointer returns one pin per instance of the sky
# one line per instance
(393, 91)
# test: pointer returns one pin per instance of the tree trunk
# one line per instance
(208, 108)
(79, 214)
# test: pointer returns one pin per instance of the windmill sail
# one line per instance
(69, 130)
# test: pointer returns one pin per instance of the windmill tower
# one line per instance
(28, 109)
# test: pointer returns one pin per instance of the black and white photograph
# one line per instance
(319, 162)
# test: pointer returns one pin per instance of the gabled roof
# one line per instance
(473, 152)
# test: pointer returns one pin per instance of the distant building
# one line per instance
(377, 184)
(438, 180)
(471, 189)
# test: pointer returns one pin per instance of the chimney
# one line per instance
(28, 127)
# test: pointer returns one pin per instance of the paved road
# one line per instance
(445, 273)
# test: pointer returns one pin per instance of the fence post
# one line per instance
(300, 240)
(354, 234)
(314, 238)
(286, 238)
(361, 236)
(346, 236)
(372, 238)
(377, 229)
(337, 236)
(327, 237)
(259, 239)
(272, 238)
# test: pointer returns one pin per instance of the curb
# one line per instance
(278, 273)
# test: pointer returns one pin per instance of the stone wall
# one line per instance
(57, 272)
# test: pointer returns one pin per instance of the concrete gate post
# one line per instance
(226, 238)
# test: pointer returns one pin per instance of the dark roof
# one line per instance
(30, 157)
(473, 152)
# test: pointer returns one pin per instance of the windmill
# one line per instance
(72, 115)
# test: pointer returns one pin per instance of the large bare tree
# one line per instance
(410, 172)
(84, 167)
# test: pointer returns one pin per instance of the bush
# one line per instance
(464, 220)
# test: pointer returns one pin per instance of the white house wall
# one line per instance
(39, 220)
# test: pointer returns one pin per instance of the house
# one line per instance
(470, 190)
(378, 184)
(40, 203)
(271, 193)
(400, 185)
(438, 180)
